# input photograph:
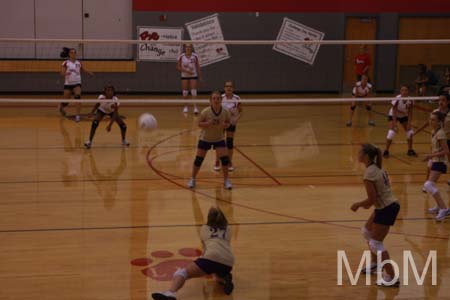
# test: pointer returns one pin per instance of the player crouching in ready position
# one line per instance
(107, 108)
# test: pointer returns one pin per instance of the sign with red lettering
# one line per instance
(158, 52)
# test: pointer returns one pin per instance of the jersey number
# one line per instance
(215, 233)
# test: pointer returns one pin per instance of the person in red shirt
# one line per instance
(362, 63)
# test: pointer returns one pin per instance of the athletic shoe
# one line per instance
(349, 124)
(228, 284)
(227, 184)
(372, 269)
(77, 118)
(88, 144)
(394, 285)
(196, 110)
(216, 168)
(433, 210)
(371, 123)
(230, 168)
(191, 183)
(424, 190)
(411, 152)
(125, 143)
(186, 109)
(164, 296)
(442, 214)
(386, 154)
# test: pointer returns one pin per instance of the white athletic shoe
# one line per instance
(164, 296)
(88, 144)
(186, 109)
(191, 183)
(230, 168)
(125, 143)
(196, 111)
(433, 210)
(442, 214)
(216, 168)
(77, 118)
(227, 184)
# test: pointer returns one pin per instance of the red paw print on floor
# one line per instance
(163, 271)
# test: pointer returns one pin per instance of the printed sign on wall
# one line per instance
(292, 30)
(158, 52)
(208, 28)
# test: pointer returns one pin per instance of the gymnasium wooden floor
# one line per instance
(115, 223)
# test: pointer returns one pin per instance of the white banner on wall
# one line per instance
(208, 28)
(292, 30)
(158, 52)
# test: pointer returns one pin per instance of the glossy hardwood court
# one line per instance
(115, 223)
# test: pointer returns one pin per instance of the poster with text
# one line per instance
(292, 30)
(158, 52)
(208, 28)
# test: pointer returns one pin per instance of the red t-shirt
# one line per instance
(361, 61)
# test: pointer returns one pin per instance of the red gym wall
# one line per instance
(347, 6)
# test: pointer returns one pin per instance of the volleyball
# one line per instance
(147, 121)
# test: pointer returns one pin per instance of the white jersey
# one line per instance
(232, 105)
(360, 91)
(189, 63)
(217, 246)
(108, 107)
(403, 107)
(73, 72)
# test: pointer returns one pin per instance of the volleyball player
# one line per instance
(401, 111)
(231, 102)
(111, 109)
(439, 157)
(362, 89)
(379, 195)
(444, 109)
(213, 121)
(71, 71)
(217, 257)
(189, 67)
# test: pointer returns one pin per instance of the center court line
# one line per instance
(188, 225)
(157, 171)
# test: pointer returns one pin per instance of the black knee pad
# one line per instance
(94, 124)
(77, 97)
(225, 160)
(123, 126)
(368, 107)
(198, 161)
(353, 107)
(64, 104)
(230, 144)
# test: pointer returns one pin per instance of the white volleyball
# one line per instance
(147, 121)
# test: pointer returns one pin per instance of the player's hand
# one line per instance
(108, 128)
(355, 206)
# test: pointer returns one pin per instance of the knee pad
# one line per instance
(194, 92)
(366, 233)
(123, 126)
(429, 164)
(94, 124)
(185, 93)
(368, 107)
(376, 246)
(198, 161)
(77, 97)
(64, 104)
(353, 107)
(390, 135)
(225, 160)
(181, 273)
(430, 187)
(230, 143)
(409, 134)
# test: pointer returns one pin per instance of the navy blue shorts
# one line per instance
(189, 78)
(231, 128)
(400, 120)
(448, 144)
(212, 267)
(387, 215)
(439, 167)
(208, 145)
(70, 87)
